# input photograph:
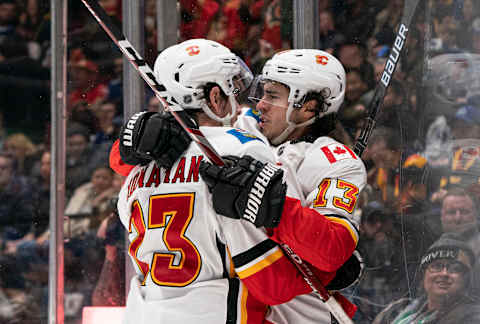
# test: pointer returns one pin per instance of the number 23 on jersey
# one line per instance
(169, 215)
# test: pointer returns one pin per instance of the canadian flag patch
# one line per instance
(336, 152)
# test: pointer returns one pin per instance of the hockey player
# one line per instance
(298, 95)
(185, 254)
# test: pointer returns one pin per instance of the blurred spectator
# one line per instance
(82, 114)
(446, 270)
(17, 305)
(386, 22)
(470, 10)
(476, 36)
(230, 25)
(8, 18)
(79, 156)
(27, 248)
(41, 196)
(115, 85)
(31, 18)
(110, 288)
(24, 89)
(82, 259)
(87, 207)
(466, 123)
(460, 215)
(15, 194)
(353, 108)
(107, 129)
(397, 115)
(196, 17)
(357, 20)
(383, 156)
(378, 247)
(354, 55)
(154, 105)
(24, 151)
(330, 38)
(274, 15)
(445, 28)
(464, 161)
(357, 85)
(84, 75)
(438, 142)
(418, 222)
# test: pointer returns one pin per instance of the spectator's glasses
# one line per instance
(452, 267)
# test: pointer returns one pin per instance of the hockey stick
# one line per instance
(390, 66)
(147, 74)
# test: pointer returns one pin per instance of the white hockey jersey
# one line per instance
(184, 253)
(325, 176)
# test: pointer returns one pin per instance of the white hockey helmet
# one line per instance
(184, 69)
(305, 71)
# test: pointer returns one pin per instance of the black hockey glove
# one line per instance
(349, 273)
(151, 136)
(246, 188)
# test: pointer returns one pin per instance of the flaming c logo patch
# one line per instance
(321, 59)
(193, 50)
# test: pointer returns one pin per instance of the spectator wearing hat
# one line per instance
(84, 75)
(446, 271)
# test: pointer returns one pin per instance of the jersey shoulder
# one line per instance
(328, 153)
(239, 142)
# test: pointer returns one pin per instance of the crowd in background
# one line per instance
(423, 159)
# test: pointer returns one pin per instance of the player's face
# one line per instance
(457, 214)
(273, 107)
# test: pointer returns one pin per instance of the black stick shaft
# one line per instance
(390, 66)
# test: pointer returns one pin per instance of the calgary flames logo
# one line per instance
(193, 50)
(321, 59)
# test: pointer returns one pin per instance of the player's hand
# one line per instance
(148, 136)
(246, 188)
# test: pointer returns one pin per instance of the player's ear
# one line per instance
(215, 98)
(309, 109)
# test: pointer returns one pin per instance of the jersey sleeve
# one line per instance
(261, 264)
(322, 229)
(115, 160)
(325, 242)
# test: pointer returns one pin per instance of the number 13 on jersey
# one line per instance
(338, 193)
(168, 216)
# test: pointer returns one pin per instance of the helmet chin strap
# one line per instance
(226, 121)
(291, 126)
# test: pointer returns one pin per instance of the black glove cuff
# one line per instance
(130, 134)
